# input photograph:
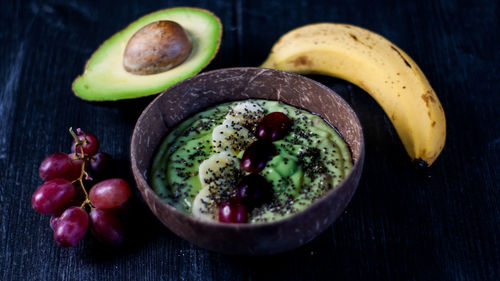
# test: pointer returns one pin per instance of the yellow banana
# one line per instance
(379, 67)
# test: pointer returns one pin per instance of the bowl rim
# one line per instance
(358, 164)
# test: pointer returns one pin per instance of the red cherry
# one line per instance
(233, 211)
(274, 126)
(257, 155)
(254, 190)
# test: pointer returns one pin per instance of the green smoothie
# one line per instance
(199, 160)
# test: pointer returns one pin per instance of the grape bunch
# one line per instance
(74, 209)
(253, 190)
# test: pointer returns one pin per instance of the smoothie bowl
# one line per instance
(247, 160)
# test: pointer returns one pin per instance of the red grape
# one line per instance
(76, 167)
(76, 157)
(233, 211)
(100, 164)
(63, 194)
(55, 218)
(124, 209)
(254, 190)
(90, 144)
(52, 196)
(274, 126)
(257, 155)
(71, 226)
(57, 165)
(109, 193)
(79, 194)
(106, 227)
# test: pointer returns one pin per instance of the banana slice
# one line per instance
(245, 114)
(204, 206)
(218, 175)
(231, 137)
(217, 169)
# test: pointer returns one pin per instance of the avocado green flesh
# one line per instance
(311, 160)
(105, 78)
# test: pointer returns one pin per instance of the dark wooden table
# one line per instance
(438, 224)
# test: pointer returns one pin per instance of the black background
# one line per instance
(439, 224)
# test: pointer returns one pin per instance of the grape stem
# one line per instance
(83, 174)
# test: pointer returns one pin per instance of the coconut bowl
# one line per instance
(212, 88)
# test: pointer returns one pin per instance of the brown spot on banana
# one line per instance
(302, 61)
(427, 97)
(401, 55)
(361, 42)
(362, 85)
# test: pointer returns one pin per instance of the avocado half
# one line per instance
(105, 79)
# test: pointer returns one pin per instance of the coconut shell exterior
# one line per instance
(212, 88)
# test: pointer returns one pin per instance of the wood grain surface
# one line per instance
(402, 224)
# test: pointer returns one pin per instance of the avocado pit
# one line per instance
(157, 47)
